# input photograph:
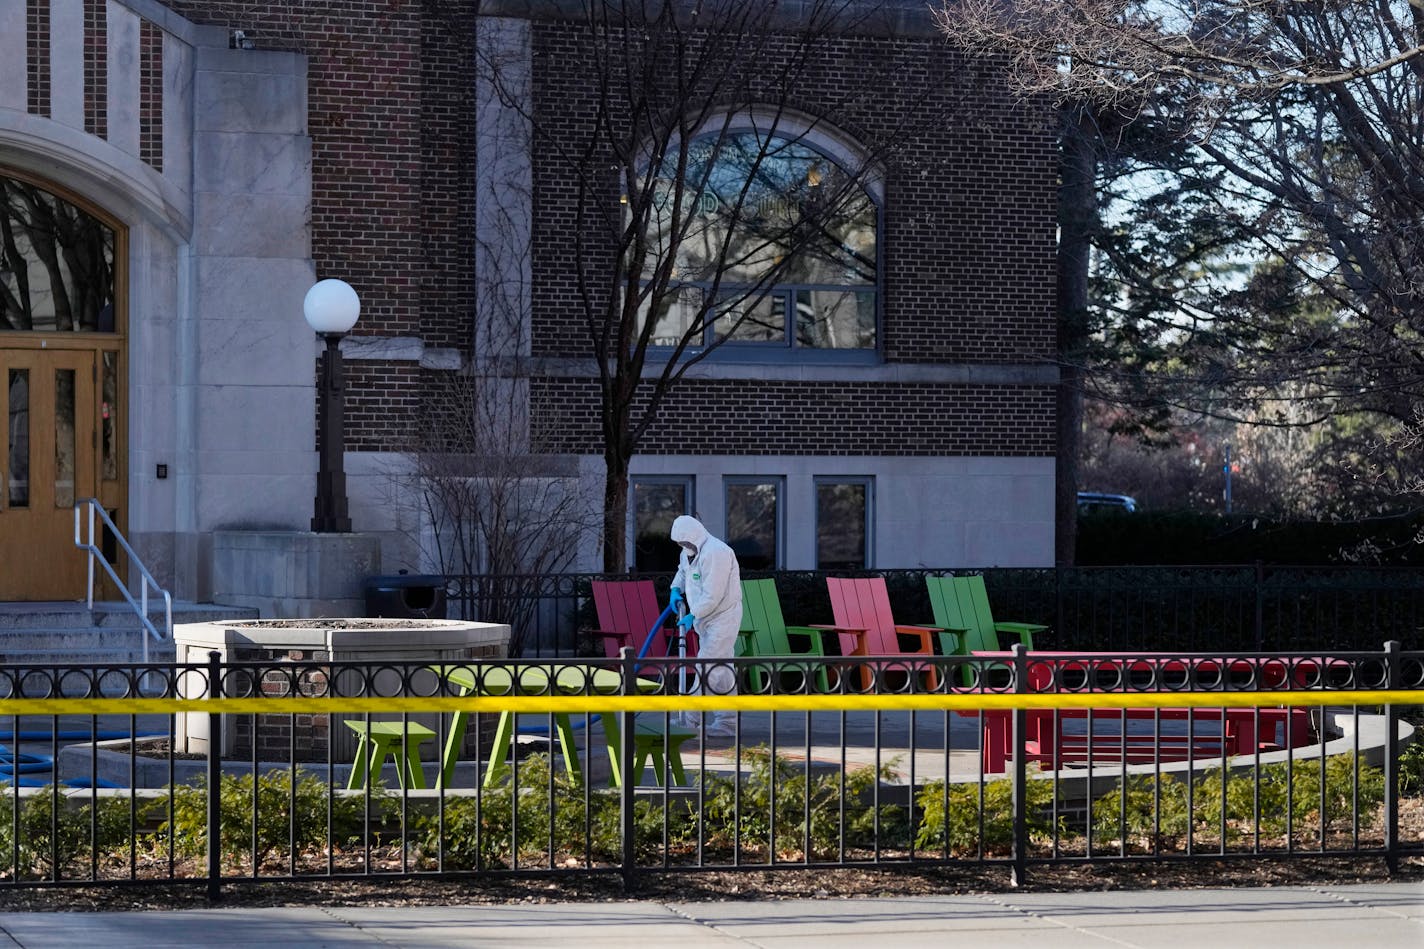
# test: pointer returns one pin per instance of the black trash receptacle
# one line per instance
(405, 596)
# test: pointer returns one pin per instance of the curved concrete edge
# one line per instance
(109, 761)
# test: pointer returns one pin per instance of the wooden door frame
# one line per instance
(114, 495)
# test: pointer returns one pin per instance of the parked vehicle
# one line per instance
(1092, 502)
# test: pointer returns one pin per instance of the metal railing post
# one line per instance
(1020, 788)
(214, 781)
(1259, 618)
(626, 799)
(1391, 761)
(1059, 612)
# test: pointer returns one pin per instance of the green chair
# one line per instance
(764, 633)
(961, 606)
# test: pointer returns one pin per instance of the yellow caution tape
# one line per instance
(576, 704)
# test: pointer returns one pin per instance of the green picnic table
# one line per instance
(566, 679)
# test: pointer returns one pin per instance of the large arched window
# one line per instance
(56, 263)
(771, 245)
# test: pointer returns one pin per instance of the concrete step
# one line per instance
(121, 614)
(118, 615)
(21, 616)
(70, 634)
(83, 659)
(61, 638)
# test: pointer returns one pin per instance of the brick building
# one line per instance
(225, 155)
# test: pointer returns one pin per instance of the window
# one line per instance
(656, 503)
(843, 523)
(56, 264)
(754, 521)
(773, 247)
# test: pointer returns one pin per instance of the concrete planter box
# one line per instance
(402, 643)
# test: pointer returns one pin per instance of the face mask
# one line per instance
(690, 550)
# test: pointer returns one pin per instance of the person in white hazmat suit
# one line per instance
(710, 582)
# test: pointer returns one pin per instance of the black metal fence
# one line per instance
(1250, 607)
(222, 772)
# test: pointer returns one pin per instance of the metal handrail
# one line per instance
(141, 605)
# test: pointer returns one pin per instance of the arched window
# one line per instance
(771, 244)
(56, 263)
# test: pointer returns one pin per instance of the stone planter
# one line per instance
(399, 642)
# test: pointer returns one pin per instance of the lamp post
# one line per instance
(331, 308)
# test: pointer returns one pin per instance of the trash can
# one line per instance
(405, 596)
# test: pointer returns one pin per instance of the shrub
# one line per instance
(286, 816)
(52, 842)
(1289, 799)
(545, 818)
(961, 823)
(768, 808)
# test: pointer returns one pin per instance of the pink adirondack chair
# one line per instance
(627, 610)
(864, 603)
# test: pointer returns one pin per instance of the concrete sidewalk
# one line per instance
(1380, 916)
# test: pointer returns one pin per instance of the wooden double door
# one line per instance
(58, 441)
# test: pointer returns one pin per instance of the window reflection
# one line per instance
(835, 319)
(842, 516)
(655, 505)
(64, 441)
(56, 264)
(752, 218)
(753, 523)
(17, 466)
(754, 320)
(108, 414)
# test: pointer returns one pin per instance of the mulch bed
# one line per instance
(813, 883)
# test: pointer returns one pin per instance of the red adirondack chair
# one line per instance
(627, 610)
(864, 603)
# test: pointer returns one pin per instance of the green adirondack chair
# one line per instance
(961, 605)
(764, 633)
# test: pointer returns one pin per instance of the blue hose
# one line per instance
(13, 764)
(657, 625)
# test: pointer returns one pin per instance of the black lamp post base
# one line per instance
(330, 515)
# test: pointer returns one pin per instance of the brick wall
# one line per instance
(771, 418)
(967, 246)
(381, 403)
(392, 174)
(967, 238)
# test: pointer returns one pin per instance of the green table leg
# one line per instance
(415, 774)
(503, 737)
(611, 737)
(358, 768)
(566, 745)
(453, 742)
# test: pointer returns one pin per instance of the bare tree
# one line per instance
(494, 512)
(1298, 138)
(692, 187)
(498, 518)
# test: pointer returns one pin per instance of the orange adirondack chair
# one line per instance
(864, 603)
(627, 610)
